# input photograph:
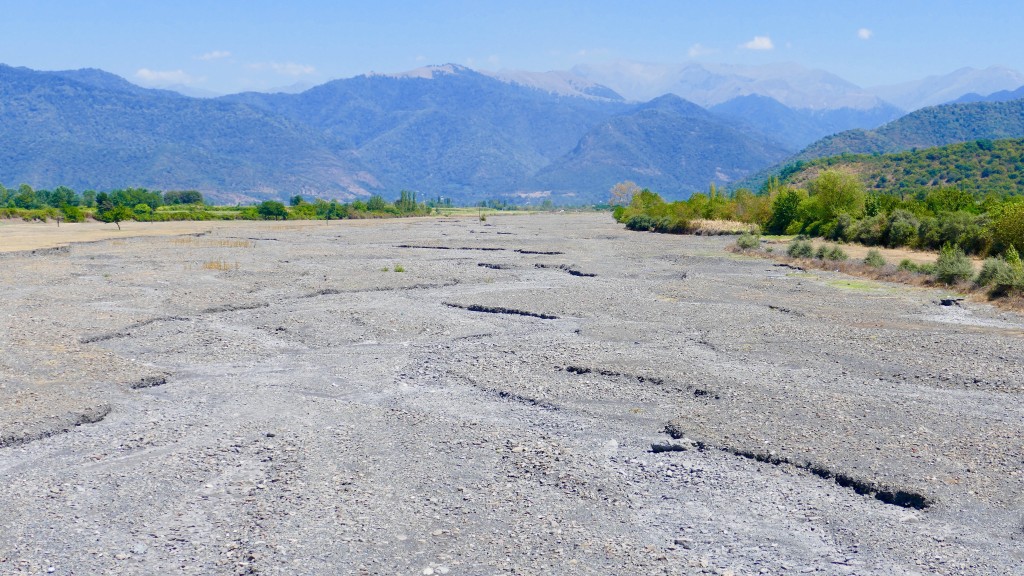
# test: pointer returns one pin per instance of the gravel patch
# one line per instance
(588, 401)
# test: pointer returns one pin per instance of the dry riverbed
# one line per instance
(545, 394)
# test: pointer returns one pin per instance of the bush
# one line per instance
(908, 266)
(1009, 278)
(670, 225)
(903, 229)
(640, 222)
(874, 259)
(746, 241)
(800, 249)
(826, 252)
(990, 269)
(953, 265)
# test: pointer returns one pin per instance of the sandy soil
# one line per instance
(546, 394)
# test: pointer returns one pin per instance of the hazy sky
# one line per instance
(235, 45)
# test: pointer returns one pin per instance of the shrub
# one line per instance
(874, 259)
(794, 227)
(640, 222)
(908, 266)
(800, 249)
(746, 241)
(1009, 278)
(827, 252)
(903, 229)
(670, 225)
(953, 265)
(990, 269)
(399, 268)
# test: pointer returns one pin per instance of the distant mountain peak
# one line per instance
(430, 72)
(562, 83)
(710, 84)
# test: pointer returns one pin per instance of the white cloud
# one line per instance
(759, 43)
(164, 76)
(864, 33)
(285, 68)
(214, 55)
(698, 50)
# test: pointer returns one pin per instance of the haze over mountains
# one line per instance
(447, 130)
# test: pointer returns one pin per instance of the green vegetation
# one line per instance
(140, 204)
(746, 241)
(874, 259)
(800, 248)
(976, 168)
(953, 265)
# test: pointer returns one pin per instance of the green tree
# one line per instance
(376, 203)
(26, 197)
(1008, 227)
(272, 210)
(785, 208)
(836, 193)
(116, 215)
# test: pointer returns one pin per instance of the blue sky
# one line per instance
(234, 45)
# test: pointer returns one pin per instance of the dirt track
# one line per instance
(533, 395)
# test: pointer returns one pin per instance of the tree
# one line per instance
(116, 215)
(376, 203)
(623, 192)
(1008, 227)
(272, 210)
(785, 209)
(406, 202)
(26, 197)
(183, 197)
(296, 200)
(836, 193)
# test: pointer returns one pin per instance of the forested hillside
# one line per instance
(979, 167)
(933, 126)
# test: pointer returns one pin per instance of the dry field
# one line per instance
(544, 394)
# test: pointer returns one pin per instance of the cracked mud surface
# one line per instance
(295, 409)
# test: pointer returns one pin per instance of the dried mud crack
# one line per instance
(500, 310)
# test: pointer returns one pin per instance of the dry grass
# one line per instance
(859, 251)
(720, 227)
(891, 273)
(220, 265)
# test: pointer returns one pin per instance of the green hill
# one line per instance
(928, 127)
(980, 167)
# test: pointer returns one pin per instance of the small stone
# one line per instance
(428, 571)
(121, 556)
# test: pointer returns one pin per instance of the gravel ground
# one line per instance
(532, 395)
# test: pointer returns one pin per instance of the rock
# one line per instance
(680, 445)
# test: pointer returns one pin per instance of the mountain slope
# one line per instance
(86, 129)
(796, 128)
(928, 127)
(1001, 96)
(712, 84)
(935, 90)
(669, 145)
(979, 167)
(444, 129)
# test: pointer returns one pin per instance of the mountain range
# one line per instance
(440, 130)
